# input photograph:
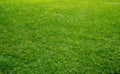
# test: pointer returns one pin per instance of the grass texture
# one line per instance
(59, 36)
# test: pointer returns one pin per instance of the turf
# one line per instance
(59, 36)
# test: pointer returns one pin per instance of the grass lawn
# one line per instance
(59, 36)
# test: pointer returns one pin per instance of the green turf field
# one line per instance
(59, 36)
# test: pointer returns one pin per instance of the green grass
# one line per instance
(59, 36)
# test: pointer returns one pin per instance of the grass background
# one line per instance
(59, 37)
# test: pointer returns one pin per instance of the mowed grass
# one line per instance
(59, 37)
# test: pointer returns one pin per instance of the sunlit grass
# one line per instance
(59, 36)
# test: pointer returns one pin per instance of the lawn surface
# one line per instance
(59, 36)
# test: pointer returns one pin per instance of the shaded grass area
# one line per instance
(59, 37)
